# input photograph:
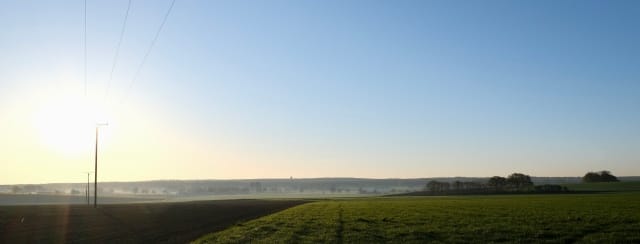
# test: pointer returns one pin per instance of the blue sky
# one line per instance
(262, 89)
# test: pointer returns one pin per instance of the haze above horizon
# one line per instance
(273, 89)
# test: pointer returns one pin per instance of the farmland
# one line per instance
(127, 223)
(41, 199)
(606, 214)
(624, 186)
(609, 217)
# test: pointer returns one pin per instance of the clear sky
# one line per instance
(273, 89)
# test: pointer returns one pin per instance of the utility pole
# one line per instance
(88, 203)
(95, 171)
(87, 190)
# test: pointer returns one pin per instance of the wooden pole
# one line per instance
(95, 173)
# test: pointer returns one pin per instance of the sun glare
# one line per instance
(67, 125)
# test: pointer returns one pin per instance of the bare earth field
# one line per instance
(129, 223)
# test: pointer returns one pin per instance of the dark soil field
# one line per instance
(128, 223)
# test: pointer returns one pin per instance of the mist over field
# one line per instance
(189, 190)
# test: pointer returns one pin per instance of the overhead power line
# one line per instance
(115, 58)
(85, 48)
(146, 55)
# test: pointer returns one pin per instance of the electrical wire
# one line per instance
(115, 58)
(146, 55)
(85, 48)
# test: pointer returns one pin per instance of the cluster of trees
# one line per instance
(602, 176)
(458, 186)
(26, 189)
(515, 182)
(256, 187)
(550, 188)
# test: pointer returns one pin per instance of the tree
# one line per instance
(436, 186)
(444, 186)
(606, 176)
(457, 185)
(602, 176)
(468, 185)
(432, 186)
(333, 188)
(256, 186)
(519, 181)
(591, 177)
(550, 188)
(497, 182)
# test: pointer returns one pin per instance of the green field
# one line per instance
(628, 186)
(609, 217)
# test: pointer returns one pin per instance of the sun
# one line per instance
(67, 124)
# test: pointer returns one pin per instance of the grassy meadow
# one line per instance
(623, 186)
(597, 218)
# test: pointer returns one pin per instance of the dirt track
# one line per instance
(128, 223)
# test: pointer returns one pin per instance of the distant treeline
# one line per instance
(514, 183)
(306, 186)
(229, 187)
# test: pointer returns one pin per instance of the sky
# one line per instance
(278, 89)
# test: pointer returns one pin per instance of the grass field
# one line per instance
(128, 223)
(624, 186)
(611, 217)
